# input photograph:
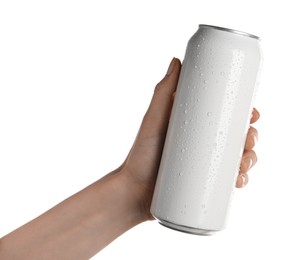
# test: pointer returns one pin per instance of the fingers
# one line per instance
(249, 159)
(157, 116)
(242, 180)
(255, 116)
(251, 138)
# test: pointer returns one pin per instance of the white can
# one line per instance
(207, 130)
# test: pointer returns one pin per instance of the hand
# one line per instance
(141, 165)
(249, 157)
(83, 224)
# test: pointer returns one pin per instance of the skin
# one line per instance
(83, 224)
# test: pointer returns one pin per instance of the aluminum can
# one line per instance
(207, 130)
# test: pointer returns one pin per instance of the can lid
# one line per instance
(229, 30)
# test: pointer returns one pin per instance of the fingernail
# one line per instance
(255, 138)
(243, 180)
(248, 162)
(171, 67)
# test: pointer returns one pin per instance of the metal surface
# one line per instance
(185, 229)
(229, 30)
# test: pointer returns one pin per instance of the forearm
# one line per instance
(78, 227)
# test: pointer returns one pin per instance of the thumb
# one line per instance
(156, 119)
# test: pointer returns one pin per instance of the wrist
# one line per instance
(131, 197)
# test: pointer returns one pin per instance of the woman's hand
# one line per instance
(141, 165)
(86, 222)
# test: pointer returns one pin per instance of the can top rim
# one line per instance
(230, 30)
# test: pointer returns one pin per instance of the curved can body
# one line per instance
(207, 130)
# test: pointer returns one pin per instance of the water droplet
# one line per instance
(180, 174)
(183, 150)
(196, 66)
(185, 111)
(205, 81)
(209, 114)
(199, 45)
(185, 122)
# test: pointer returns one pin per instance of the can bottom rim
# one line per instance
(186, 229)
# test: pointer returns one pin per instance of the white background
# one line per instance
(75, 80)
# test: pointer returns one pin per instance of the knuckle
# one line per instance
(158, 87)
